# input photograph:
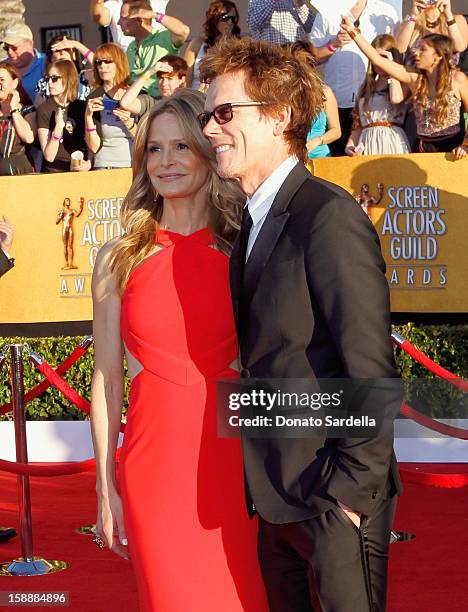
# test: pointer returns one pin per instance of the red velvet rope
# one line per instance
(47, 469)
(425, 421)
(433, 367)
(51, 469)
(45, 384)
(442, 481)
(72, 396)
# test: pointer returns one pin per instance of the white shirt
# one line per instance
(344, 71)
(261, 201)
(114, 6)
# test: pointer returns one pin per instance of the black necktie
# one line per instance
(246, 225)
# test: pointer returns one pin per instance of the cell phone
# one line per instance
(109, 104)
(431, 2)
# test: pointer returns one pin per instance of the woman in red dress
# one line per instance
(161, 296)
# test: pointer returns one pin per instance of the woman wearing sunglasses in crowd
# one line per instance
(110, 129)
(438, 91)
(222, 19)
(60, 120)
(161, 297)
(17, 123)
(431, 17)
(63, 48)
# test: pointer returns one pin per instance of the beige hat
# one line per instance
(16, 34)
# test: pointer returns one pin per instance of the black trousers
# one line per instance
(326, 563)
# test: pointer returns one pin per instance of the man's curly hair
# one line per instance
(277, 76)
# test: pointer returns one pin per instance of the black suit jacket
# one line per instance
(313, 302)
(5, 263)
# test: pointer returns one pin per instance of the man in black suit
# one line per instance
(311, 301)
(6, 241)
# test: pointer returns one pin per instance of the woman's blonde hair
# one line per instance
(143, 207)
(420, 28)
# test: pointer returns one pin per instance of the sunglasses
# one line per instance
(98, 62)
(225, 18)
(223, 113)
(53, 77)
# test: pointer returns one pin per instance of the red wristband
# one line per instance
(331, 48)
(57, 138)
(160, 17)
(87, 54)
(91, 129)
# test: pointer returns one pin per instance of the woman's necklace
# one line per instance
(432, 24)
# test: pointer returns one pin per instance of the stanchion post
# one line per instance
(27, 565)
(24, 495)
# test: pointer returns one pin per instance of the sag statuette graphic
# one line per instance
(365, 199)
(66, 216)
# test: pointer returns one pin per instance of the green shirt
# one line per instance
(144, 55)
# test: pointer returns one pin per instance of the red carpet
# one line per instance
(427, 573)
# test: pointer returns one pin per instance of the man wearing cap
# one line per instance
(18, 42)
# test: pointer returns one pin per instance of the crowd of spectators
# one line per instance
(389, 86)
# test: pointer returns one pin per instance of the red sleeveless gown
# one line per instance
(192, 545)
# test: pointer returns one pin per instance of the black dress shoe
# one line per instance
(6, 533)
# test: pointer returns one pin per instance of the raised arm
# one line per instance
(457, 26)
(333, 122)
(23, 128)
(107, 392)
(392, 68)
(190, 56)
(404, 31)
(99, 12)
(326, 45)
(50, 139)
(460, 83)
(69, 43)
(129, 100)
(178, 29)
(93, 140)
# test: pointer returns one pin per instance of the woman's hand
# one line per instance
(418, 7)
(59, 119)
(66, 43)
(110, 524)
(11, 103)
(6, 235)
(94, 105)
(354, 150)
(313, 143)
(342, 38)
(159, 67)
(346, 25)
(460, 152)
(445, 7)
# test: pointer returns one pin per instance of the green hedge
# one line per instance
(52, 406)
(445, 344)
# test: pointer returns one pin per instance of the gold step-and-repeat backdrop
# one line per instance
(417, 203)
